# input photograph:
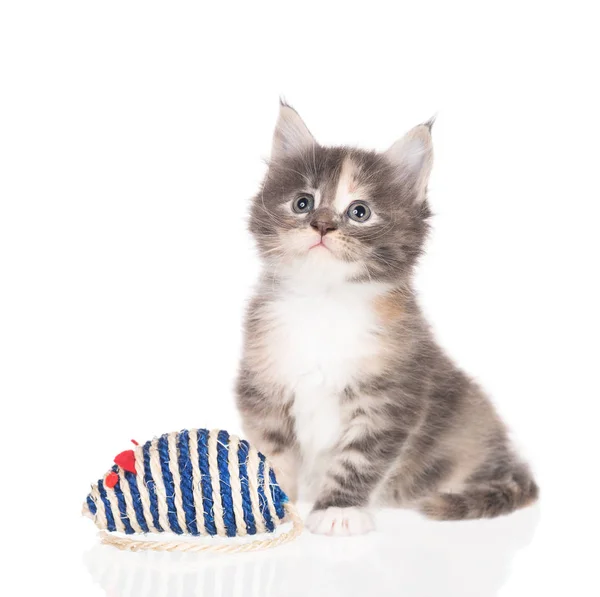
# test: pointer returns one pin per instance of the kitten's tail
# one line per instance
(482, 500)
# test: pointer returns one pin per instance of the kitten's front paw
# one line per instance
(340, 521)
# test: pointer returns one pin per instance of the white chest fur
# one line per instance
(320, 338)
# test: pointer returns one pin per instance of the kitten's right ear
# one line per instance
(291, 135)
(412, 157)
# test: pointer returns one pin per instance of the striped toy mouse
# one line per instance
(191, 483)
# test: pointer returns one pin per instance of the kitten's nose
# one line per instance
(323, 225)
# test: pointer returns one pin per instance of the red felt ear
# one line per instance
(126, 460)
(111, 479)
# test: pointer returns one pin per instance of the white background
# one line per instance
(131, 139)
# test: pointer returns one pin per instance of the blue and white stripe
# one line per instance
(191, 482)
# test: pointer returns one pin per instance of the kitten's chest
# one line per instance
(322, 339)
(318, 344)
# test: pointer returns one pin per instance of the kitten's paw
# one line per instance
(340, 521)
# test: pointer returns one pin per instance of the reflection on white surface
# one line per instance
(408, 556)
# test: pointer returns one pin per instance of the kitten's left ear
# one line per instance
(291, 135)
(412, 156)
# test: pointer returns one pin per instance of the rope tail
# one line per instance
(127, 544)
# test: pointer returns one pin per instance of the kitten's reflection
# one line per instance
(413, 557)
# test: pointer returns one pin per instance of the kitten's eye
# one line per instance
(303, 204)
(359, 212)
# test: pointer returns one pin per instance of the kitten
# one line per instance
(341, 383)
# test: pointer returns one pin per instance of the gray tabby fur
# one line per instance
(408, 427)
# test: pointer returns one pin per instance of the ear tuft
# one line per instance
(429, 123)
(291, 135)
(412, 156)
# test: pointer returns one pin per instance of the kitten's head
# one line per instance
(340, 211)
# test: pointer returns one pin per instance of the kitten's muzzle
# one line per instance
(323, 223)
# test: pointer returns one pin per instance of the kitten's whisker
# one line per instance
(385, 230)
(269, 213)
(273, 250)
(366, 268)
(267, 222)
(385, 261)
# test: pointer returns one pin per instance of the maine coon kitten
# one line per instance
(341, 383)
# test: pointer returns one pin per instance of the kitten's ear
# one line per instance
(291, 135)
(412, 156)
